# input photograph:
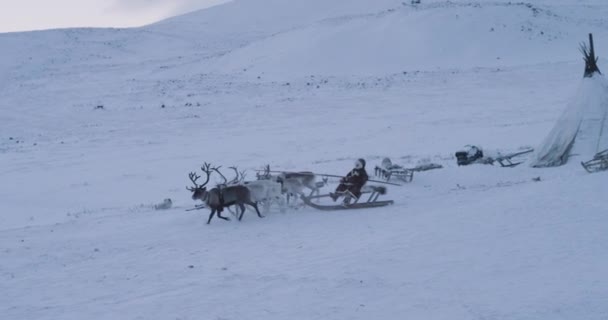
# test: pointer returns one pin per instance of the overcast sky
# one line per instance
(22, 15)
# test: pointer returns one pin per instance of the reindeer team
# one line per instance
(267, 189)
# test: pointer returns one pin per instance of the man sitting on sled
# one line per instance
(351, 185)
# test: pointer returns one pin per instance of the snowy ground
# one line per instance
(299, 87)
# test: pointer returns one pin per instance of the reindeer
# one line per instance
(220, 197)
(293, 184)
(265, 175)
(262, 191)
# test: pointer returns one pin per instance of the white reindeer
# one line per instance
(294, 184)
(265, 192)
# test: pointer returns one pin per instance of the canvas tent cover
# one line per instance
(582, 129)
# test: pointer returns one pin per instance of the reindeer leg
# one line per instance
(282, 204)
(219, 215)
(294, 201)
(236, 212)
(255, 206)
(242, 206)
(211, 216)
(266, 205)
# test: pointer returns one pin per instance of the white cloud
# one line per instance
(21, 15)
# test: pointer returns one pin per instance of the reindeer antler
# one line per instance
(265, 175)
(239, 175)
(236, 178)
(217, 169)
(193, 177)
(207, 169)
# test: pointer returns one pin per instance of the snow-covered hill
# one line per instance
(306, 85)
(317, 37)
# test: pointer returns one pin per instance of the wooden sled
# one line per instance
(368, 199)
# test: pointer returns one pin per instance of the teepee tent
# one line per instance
(582, 129)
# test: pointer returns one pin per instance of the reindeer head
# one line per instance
(199, 192)
(265, 175)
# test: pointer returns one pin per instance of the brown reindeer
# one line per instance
(219, 198)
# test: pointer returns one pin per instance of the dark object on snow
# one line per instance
(99, 107)
(352, 183)
(590, 58)
(426, 167)
(471, 154)
(598, 163)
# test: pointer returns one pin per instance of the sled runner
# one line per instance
(197, 207)
(368, 199)
(598, 163)
(507, 160)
